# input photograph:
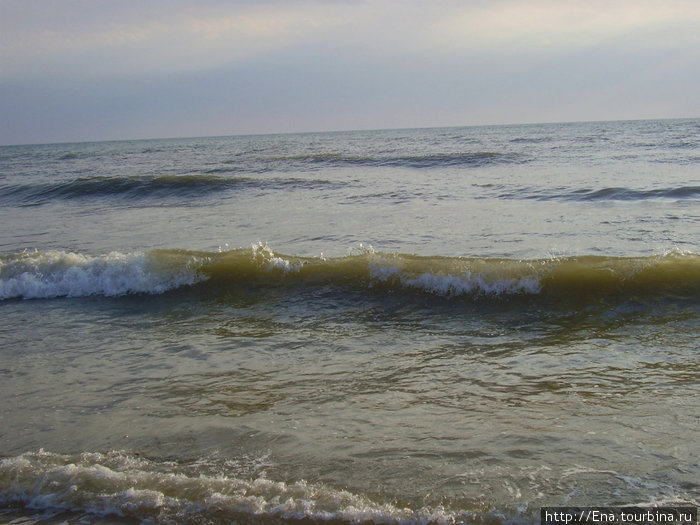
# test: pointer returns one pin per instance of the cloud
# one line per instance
(138, 38)
(107, 39)
(176, 67)
(564, 24)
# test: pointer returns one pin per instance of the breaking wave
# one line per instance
(54, 273)
(49, 274)
(131, 487)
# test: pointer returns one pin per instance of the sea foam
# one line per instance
(120, 484)
(55, 273)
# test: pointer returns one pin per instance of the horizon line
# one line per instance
(352, 130)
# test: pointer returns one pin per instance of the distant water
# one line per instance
(409, 326)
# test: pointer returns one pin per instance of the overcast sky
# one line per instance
(73, 70)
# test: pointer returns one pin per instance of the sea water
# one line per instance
(404, 326)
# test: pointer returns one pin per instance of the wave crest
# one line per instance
(55, 273)
(140, 187)
(30, 275)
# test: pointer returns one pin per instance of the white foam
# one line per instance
(47, 274)
(264, 255)
(467, 283)
(119, 484)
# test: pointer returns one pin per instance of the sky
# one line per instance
(81, 70)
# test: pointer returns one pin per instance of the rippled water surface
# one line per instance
(439, 325)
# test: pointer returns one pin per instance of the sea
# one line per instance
(421, 326)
